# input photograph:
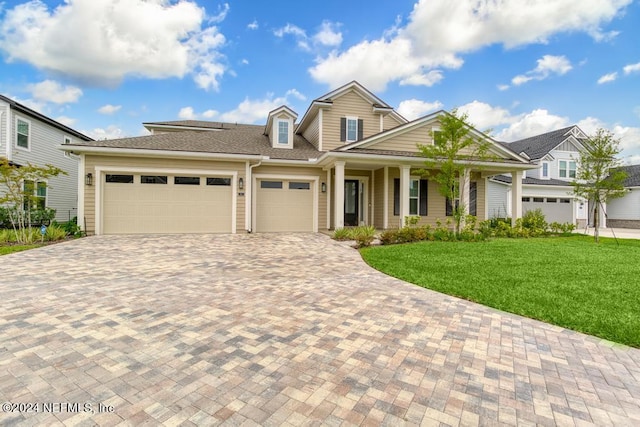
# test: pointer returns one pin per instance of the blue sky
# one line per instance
(517, 67)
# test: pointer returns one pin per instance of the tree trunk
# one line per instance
(596, 221)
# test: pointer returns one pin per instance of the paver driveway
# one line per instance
(280, 330)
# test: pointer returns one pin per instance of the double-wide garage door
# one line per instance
(555, 209)
(163, 203)
(284, 205)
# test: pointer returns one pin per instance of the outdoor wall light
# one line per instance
(323, 187)
(241, 183)
(88, 179)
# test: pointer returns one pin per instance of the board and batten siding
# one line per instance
(104, 162)
(44, 140)
(348, 105)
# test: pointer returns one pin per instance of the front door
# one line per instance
(351, 202)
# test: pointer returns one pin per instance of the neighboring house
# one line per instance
(548, 187)
(351, 159)
(625, 211)
(27, 136)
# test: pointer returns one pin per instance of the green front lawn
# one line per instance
(566, 281)
(5, 250)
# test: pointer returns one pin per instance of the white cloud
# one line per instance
(111, 132)
(67, 121)
(222, 14)
(438, 31)
(253, 25)
(244, 61)
(170, 41)
(52, 91)
(298, 33)
(248, 111)
(109, 109)
(411, 109)
(503, 87)
(607, 78)
(531, 124)
(547, 65)
(328, 34)
(427, 79)
(187, 113)
(631, 68)
(484, 116)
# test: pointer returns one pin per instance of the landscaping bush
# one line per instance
(534, 221)
(54, 233)
(71, 227)
(363, 235)
(342, 234)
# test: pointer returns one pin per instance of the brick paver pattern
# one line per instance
(281, 330)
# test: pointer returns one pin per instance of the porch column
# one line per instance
(385, 199)
(338, 201)
(516, 196)
(465, 186)
(328, 194)
(405, 176)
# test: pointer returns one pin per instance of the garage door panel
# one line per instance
(166, 208)
(284, 209)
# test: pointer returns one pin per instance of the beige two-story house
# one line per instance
(349, 160)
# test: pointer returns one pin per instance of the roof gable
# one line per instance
(387, 139)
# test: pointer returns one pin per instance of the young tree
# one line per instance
(454, 149)
(599, 177)
(18, 193)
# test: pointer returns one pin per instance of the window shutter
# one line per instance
(396, 196)
(360, 128)
(343, 129)
(423, 197)
(473, 198)
(449, 208)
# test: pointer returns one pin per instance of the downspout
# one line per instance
(249, 199)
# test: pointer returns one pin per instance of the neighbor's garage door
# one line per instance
(554, 209)
(284, 205)
(139, 203)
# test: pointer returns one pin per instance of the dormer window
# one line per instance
(280, 127)
(283, 132)
(351, 129)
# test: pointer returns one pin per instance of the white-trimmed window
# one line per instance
(435, 132)
(23, 133)
(352, 129)
(414, 196)
(567, 169)
(39, 191)
(544, 170)
(283, 132)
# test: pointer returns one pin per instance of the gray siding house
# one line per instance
(547, 187)
(625, 211)
(27, 136)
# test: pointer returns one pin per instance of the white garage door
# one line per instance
(154, 204)
(555, 209)
(284, 206)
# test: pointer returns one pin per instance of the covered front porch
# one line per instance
(383, 195)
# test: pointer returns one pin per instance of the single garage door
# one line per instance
(156, 204)
(284, 205)
(555, 209)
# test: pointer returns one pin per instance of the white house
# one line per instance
(625, 211)
(549, 186)
(27, 136)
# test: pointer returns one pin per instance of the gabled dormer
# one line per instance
(279, 127)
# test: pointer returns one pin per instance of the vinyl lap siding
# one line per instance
(123, 162)
(390, 122)
(4, 108)
(352, 105)
(407, 141)
(498, 202)
(312, 133)
(44, 140)
(627, 207)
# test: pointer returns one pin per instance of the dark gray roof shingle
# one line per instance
(533, 181)
(248, 140)
(536, 147)
(633, 175)
(203, 124)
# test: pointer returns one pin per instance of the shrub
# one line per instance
(342, 234)
(535, 222)
(55, 232)
(389, 237)
(71, 227)
(364, 235)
